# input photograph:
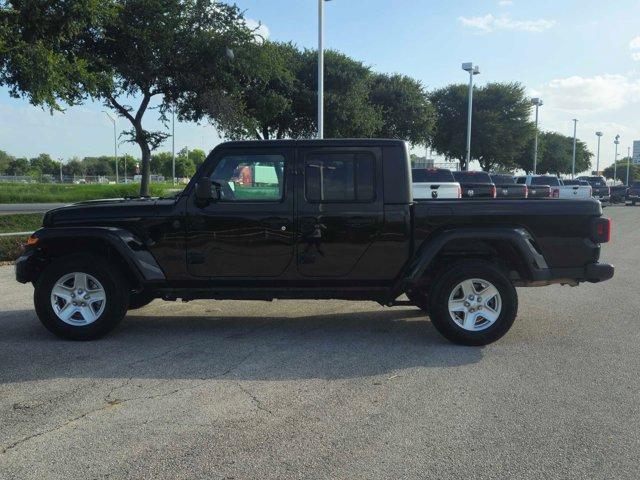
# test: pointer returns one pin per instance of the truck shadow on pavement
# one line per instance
(272, 348)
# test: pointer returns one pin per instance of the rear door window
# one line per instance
(339, 177)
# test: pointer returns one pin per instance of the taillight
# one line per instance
(601, 230)
(526, 192)
(493, 191)
(459, 191)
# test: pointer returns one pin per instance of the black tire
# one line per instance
(444, 287)
(116, 293)
(419, 299)
(140, 299)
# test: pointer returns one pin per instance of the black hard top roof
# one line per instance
(329, 142)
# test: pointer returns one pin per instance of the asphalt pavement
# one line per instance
(330, 389)
(13, 208)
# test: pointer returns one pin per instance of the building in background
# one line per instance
(636, 152)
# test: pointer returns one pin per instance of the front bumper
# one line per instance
(28, 267)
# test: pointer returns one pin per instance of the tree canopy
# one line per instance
(555, 155)
(125, 53)
(621, 173)
(500, 128)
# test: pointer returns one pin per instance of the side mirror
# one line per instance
(204, 194)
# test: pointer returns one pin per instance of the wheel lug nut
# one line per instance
(479, 299)
(467, 304)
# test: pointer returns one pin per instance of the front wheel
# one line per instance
(81, 297)
(473, 303)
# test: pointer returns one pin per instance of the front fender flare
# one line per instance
(133, 250)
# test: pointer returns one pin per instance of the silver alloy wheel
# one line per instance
(475, 304)
(78, 299)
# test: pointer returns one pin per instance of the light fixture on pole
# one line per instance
(573, 161)
(472, 70)
(538, 103)
(599, 135)
(615, 159)
(628, 161)
(321, 68)
(115, 142)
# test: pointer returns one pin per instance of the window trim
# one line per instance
(354, 153)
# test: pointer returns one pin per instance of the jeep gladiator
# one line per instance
(309, 219)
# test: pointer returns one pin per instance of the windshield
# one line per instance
(545, 180)
(472, 177)
(432, 175)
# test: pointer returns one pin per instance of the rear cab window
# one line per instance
(432, 175)
(546, 180)
(472, 177)
(502, 179)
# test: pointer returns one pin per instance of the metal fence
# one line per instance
(74, 179)
(453, 166)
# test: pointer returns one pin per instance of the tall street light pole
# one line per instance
(321, 68)
(615, 159)
(473, 70)
(115, 143)
(538, 103)
(573, 161)
(173, 144)
(599, 135)
(628, 161)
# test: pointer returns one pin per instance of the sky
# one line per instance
(582, 57)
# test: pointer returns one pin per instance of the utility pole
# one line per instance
(538, 103)
(628, 161)
(472, 70)
(573, 163)
(599, 135)
(115, 142)
(615, 159)
(173, 143)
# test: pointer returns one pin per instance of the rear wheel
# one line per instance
(473, 303)
(81, 297)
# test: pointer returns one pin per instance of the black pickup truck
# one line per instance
(475, 184)
(312, 219)
(506, 186)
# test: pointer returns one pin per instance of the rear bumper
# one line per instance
(592, 273)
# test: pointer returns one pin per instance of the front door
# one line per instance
(340, 208)
(249, 230)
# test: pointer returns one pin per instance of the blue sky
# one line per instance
(582, 57)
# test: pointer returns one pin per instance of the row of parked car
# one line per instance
(438, 183)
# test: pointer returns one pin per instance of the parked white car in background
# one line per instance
(434, 184)
(557, 189)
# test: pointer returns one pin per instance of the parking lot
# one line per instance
(303, 389)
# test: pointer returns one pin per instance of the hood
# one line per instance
(102, 212)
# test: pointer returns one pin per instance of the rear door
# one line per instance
(340, 208)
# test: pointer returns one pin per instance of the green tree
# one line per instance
(405, 108)
(161, 163)
(74, 167)
(44, 164)
(99, 166)
(500, 129)
(121, 52)
(555, 155)
(197, 156)
(18, 166)
(5, 161)
(621, 172)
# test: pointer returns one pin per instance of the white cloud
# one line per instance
(636, 56)
(505, 3)
(489, 23)
(591, 94)
(261, 31)
(634, 44)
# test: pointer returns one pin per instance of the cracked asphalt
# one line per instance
(328, 390)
